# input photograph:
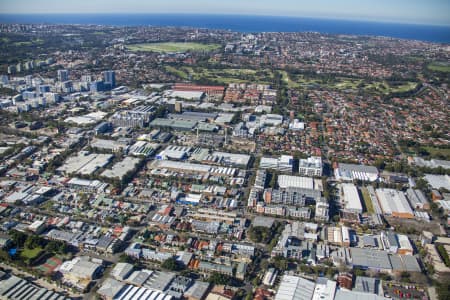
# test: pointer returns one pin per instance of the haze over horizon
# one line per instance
(432, 12)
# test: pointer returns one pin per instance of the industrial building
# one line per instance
(308, 183)
(87, 119)
(191, 168)
(109, 145)
(230, 159)
(142, 148)
(438, 181)
(339, 236)
(350, 172)
(188, 95)
(324, 289)
(210, 90)
(367, 285)
(383, 261)
(85, 163)
(298, 288)
(194, 116)
(342, 294)
(394, 203)
(87, 185)
(14, 287)
(174, 153)
(417, 199)
(197, 291)
(349, 197)
(182, 125)
(121, 168)
(295, 288)
(113, 289)
(121, 271)
(81, 270)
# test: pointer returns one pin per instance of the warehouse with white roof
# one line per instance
(350, 172)
(287, 181)
(350, 198)
(394, 203)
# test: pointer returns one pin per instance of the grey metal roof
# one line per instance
(366, 284)
(198, 290)
(354, 295)
(405, 263)
(295, 288)
(370, 240)
(110, 288)
(263, 222)
(138, 277)
(371, 259)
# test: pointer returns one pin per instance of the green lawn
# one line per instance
(29, 254)
(179, 72)
(443, 153)
(367, 200)
(440, 67)
(298, 81)
(173, 47)
(385, 88)
(223, 76)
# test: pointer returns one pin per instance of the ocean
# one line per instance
(241, 23)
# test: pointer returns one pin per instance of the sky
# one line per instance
(436, 12)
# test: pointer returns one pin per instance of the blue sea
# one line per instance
(241, 23)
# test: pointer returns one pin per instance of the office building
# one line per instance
(63, 75)
(284, 163)
(311, 166)
(109, 77)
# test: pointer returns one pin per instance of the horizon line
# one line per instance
(370, 20)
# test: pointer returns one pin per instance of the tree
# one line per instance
(443, 253)
(172, 264)
(18, 238)
(405, 276)
(443, 289)
(57, 247)
(218, 278)
(359, 272)
(280, 263)
(260, 234)
(126, 259)
(34, 241)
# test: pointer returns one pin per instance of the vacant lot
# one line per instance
(367, 200)
(173, 47)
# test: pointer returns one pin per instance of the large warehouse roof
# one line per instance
(351, 197)
(394, 202)
(285, 181)
(371, 259)
(295, 288)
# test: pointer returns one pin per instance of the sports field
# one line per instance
(173, 47)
